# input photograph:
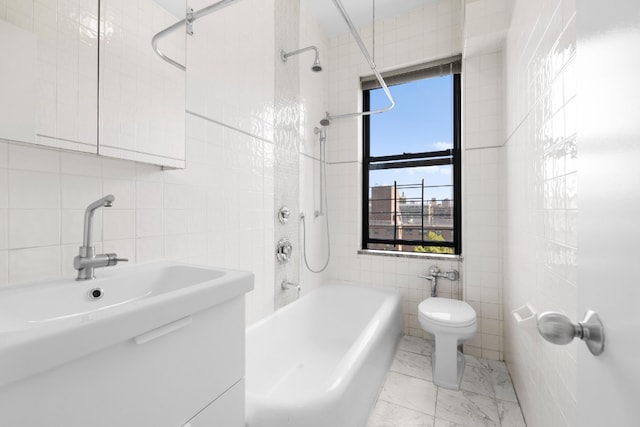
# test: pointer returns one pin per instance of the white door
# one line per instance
(608, 55)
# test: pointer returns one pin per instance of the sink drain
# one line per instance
(96, 293)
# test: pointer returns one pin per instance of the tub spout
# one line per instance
(285, 285)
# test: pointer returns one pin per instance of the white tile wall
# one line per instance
(482, 244)
(218, 211)
(424, 34)
(539, 241)
(314, 99)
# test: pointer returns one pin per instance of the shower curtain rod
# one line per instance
(188, 20)
(327, 120)
(192, 16)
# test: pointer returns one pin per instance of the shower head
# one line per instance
(316, 67)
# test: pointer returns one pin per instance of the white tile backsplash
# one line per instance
(29, 189)
(34, 263)
(29, 228)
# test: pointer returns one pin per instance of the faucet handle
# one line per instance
(112, 259)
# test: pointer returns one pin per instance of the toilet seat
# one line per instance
(447, 312)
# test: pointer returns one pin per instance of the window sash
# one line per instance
(407, 160)
(441, 67)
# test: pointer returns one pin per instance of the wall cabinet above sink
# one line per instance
(96, 84)
(142, 98)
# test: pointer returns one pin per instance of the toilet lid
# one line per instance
(447, 312)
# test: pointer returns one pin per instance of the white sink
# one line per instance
(49, 323)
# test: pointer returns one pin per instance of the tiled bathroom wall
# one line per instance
(539, 218)
(314, 98)
(421, 35)
(482, 243)
(287, 146)
(219, 211)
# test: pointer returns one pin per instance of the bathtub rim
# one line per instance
(390, 309)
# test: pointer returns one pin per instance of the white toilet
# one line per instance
(451, 322)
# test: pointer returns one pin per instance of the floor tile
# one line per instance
(416, 345)
(411, 393)
(496, 365)
(477, 362)
(510, 414)
(478, 380)
(410, 399)
(387, 414)
(503, 387)
(412, 364)
(444, 423)
(467, 408)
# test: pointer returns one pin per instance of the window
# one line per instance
(411, 163)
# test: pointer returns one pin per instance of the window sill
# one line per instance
(441, 257)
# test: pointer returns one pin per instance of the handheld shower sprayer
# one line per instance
(323, 133)
(316, 67)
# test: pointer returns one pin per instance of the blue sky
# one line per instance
(421, 121)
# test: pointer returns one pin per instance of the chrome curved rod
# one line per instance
(367, 56)
(154, 44)
(188, 21)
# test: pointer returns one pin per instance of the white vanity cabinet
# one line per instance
(172, 357)
(226, 410)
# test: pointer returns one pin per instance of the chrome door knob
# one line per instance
(557, 328)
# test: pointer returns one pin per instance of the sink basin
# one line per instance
(45, 324)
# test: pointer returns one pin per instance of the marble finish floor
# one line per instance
(410, 399)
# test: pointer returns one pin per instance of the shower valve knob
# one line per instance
(283, 250)
(283, 215)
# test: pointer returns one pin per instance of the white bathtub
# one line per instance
(320, 361)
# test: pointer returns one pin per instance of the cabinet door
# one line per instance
(142, 97)
(49, 84)
(227, 410)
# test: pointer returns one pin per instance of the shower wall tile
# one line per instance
(424, 34)
(235, 70)
(314, 103)
(287, 143)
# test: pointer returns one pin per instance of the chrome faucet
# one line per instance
(434, 273)
(87, 260)
(290, 285)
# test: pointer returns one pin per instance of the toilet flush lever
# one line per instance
(557, 328)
